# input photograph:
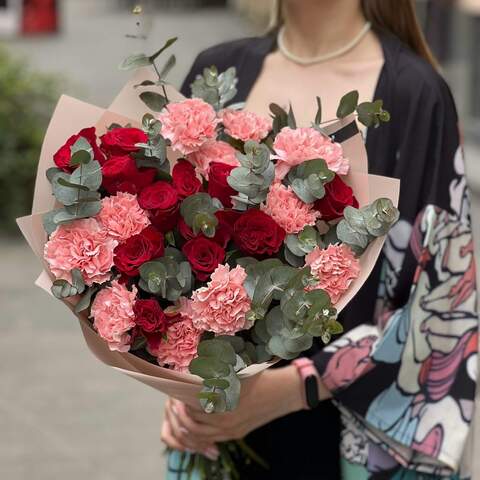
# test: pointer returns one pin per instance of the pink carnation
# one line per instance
(188, 124)
(212, 151)
(244, 125)
(122, 217)
(220, 307)
(335, 267)
(295, 146)
(182, 339)
(81, 244)
(288, 210)
(113, 315)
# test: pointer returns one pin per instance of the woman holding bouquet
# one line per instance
(403, 376)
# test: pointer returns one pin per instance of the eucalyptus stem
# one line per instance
(78, 190)
(160, 78)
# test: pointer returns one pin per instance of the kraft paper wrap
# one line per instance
(72, 115)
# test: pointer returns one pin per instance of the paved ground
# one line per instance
(62, 413)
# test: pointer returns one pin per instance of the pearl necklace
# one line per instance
(321, 58)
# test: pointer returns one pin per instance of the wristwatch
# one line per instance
(307, 371)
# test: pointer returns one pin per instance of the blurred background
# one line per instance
(62, 413)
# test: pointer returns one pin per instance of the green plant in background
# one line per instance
(27, 99)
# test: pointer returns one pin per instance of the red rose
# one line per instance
(63, 155)
(120, 174)
(149, 316)
(223, 231)
(184, 179)
(161, 199)
(139, 249)
(154, 341)
(217, 183)
(338, 195)
(256, 233)
(120, 141)
(204, 256)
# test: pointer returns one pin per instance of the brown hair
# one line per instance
(393, 16)
(399, 17)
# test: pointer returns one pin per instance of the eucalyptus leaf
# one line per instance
(167, 44)
(277, 347)
(318, 116)
(170, 63)
(218, 349)
(52, 172)
(135, 61)
(145, 83)
(209, 367)
(77, 280)
(86, 299)
(48, 221)
(348, 104)
(88, 175)
(292, 259)
(154, 101)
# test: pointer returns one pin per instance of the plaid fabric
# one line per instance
(176, 470)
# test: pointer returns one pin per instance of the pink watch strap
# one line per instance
(305, 368)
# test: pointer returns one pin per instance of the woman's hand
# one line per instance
(274, 393)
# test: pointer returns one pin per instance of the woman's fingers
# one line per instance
(180, 433)
(168, 438)
(200, 430)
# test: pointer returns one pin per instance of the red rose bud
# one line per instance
(204, 256)
(63, 155)
(120, 174)
(137, 250)
(338, 195)
(256, 233)
(217, 183)
(185, 180)
(121, 141)
(149, 316)
(162, 200)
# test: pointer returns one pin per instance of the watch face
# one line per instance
(311, 391)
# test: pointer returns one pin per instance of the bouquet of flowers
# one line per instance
(199, 245)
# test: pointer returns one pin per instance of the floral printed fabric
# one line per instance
(406, 385)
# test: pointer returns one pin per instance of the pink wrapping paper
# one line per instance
(72, 115)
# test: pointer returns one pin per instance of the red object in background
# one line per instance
(39, 16)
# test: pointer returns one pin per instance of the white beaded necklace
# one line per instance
(321, 58)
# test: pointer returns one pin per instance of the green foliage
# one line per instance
(286, 316)
(215, 363)
(348, 104)
(78, 191)
(215, 88)
(318, 116)
(360, 226)
(86, 299)
(154, 152)
(168, 277)
(370, 114)
(253, 178)
(152, 100)
(282, 118)
(300, 244)
(198, 211)
(139, 60)
(63, 289)
(26, 103)
(308, 179)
